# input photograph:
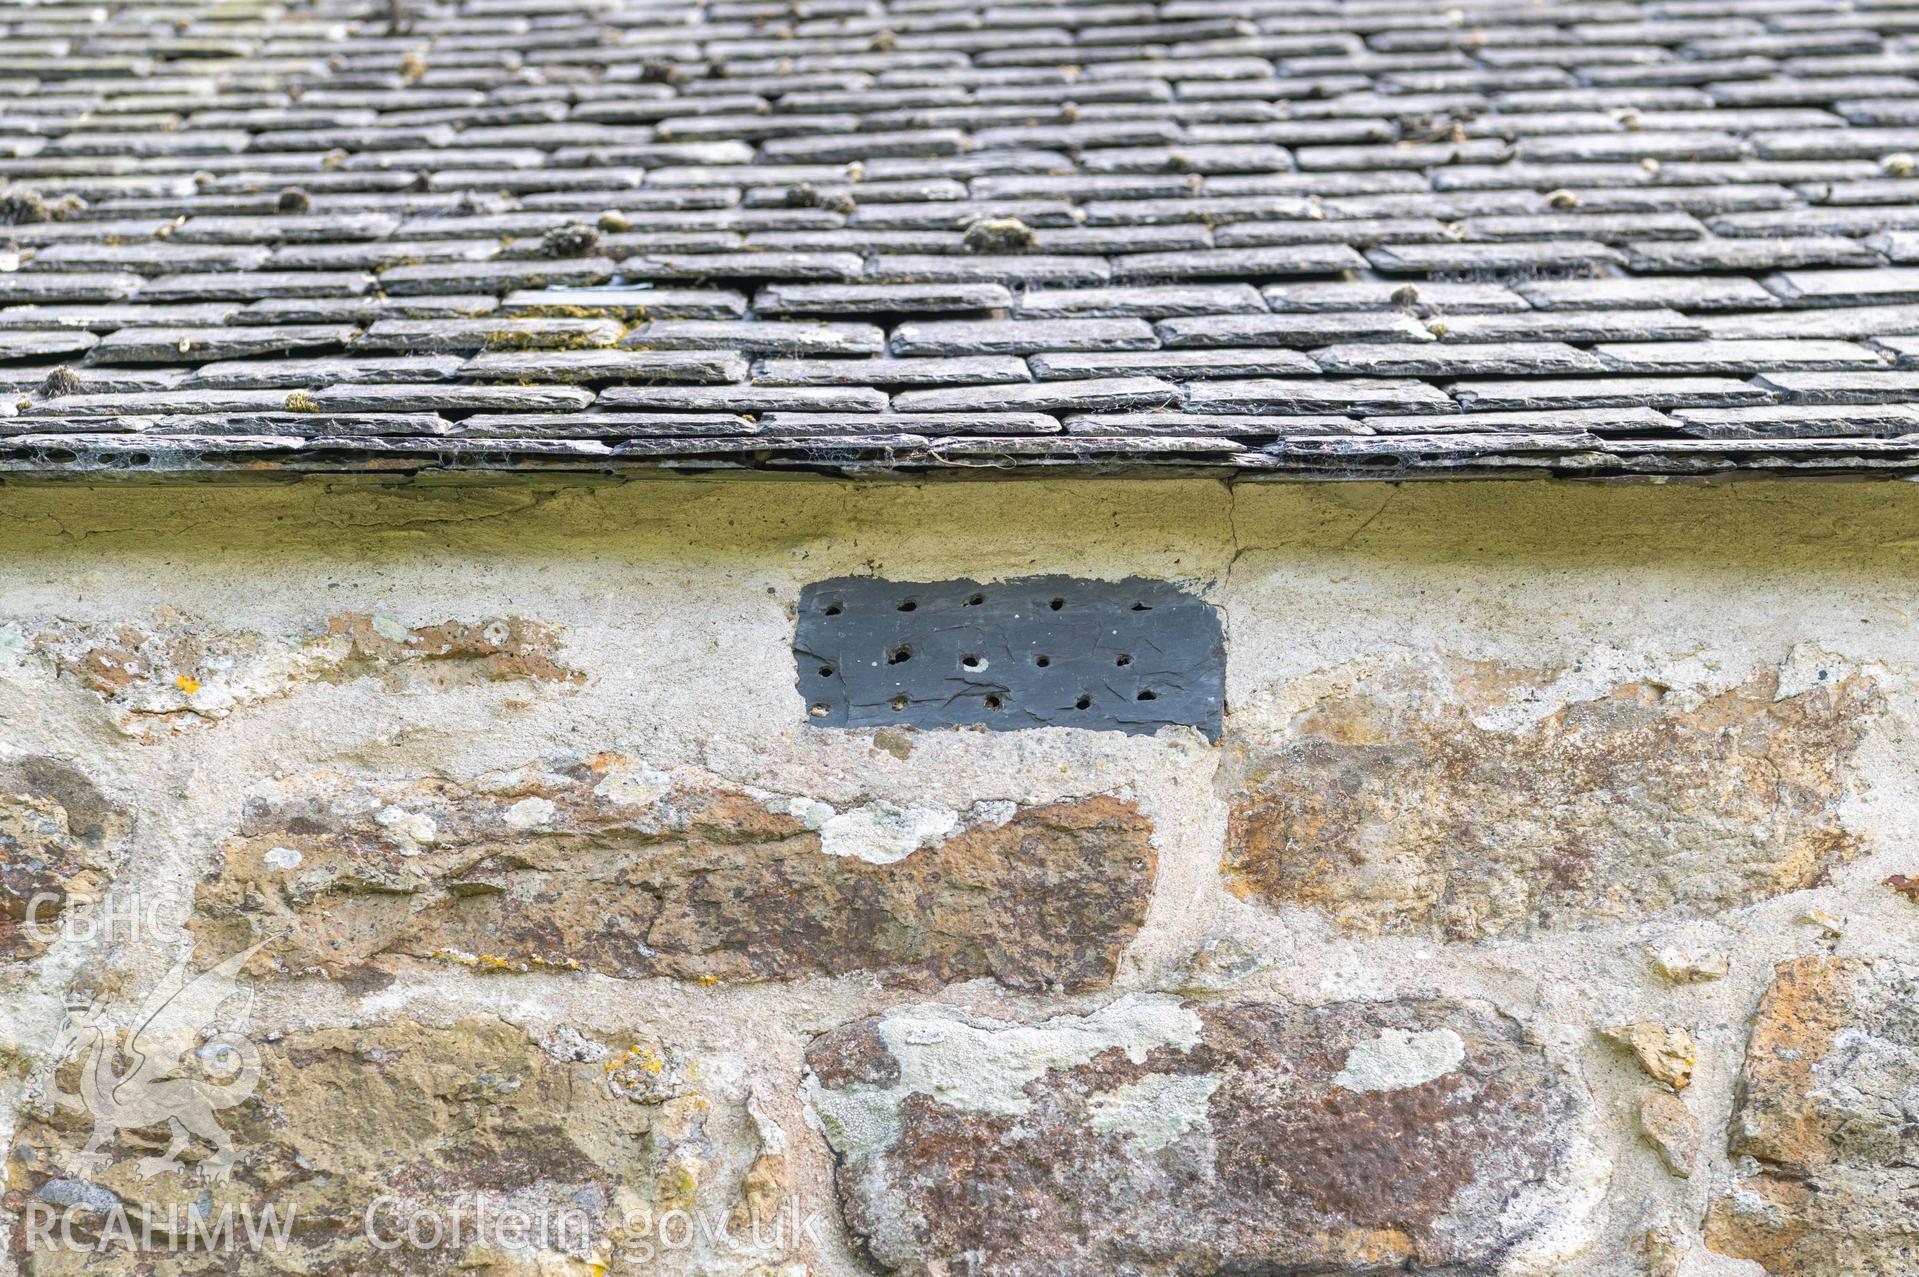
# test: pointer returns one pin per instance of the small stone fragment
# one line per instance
(1831, 923)
(575, 239)
(614, 222)
(1683, 966)
(61, 381)
(1672, 1130)
(1665, 1051)
(1663, 1252)
(1905, 885)
(999, 235)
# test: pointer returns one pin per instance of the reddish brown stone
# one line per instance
(1157, 1138)
(1824, 1109)
(59, 843)
(1393, 811)
(704, 884)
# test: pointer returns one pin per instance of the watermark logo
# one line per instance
(178, 1066)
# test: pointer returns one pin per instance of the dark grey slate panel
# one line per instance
(1043, 651)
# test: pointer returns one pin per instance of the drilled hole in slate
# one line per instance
(832, 609)
(974, 600)
(1142, 607)
(910, 605)
(1123, 660)
(826, 671)
(899, 656)
(900, 702)
(1057, 604)
(1148, 695)
(994, 702)
(821, 709)
(1084, 702)
(973, 661)
(1042, 661)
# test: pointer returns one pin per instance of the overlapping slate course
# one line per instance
(1332, 238)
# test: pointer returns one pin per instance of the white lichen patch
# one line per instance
(1156, 1110)
(1807, 667)
(530, 813)
(882, 833)
(983, 1066)
(1397, 1060)
(633, 784)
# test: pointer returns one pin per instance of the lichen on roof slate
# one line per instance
(1321, 238)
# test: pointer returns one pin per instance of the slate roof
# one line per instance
(1371, 238)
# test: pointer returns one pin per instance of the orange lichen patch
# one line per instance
(1394, 810)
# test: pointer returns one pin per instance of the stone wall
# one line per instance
(450, 878)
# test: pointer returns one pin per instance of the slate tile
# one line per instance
(503, 333)
(1011, 270)
(1182, 364)
(1686, 293)
(1879, 286)
(1440, 359)
(497, 276)
(929, 424)
(759, 337)
(605, 425)
(1748, 254)
(1848, 322)
(743, 398)
(1846, 386)
(871, 299)
(626, 303)
(1800, 420)
(27, 343)
(1625, 420)
(1300, 329)
(1104, 394)
(1552, 395)
(296, 374)
(41, 287)
(1583, 327)
(1731, 356)
(963, 370)
(1319, 396)
(1240, 263)
(1140, 301)
(531, 367)
(447, 397)
(1148, 424)
(1519, 255)
(202, 345)
(1423, 297)
(1020, 336)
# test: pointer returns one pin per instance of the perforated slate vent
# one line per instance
(1042, 651)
